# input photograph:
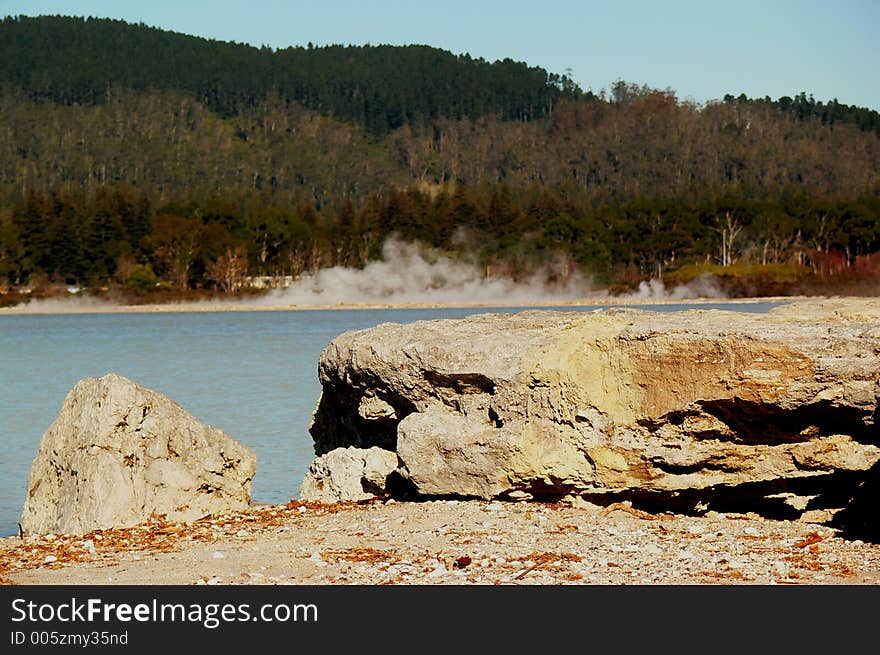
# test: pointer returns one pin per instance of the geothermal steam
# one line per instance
(409, 274)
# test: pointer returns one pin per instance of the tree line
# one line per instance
(69, 60)
(171, 146)
(74, 60)
(121, 236)
(148, 159)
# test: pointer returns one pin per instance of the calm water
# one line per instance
(253, 374)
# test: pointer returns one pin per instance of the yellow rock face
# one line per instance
(616, 400)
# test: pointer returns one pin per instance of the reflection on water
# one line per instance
(253, 374)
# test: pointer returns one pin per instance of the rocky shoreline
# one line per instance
(611, 447)
(675, 411)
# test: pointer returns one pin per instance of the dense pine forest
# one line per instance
(154, 162)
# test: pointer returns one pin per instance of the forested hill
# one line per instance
(126, 148)
(74, 60)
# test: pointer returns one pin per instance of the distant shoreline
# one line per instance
(72, 306)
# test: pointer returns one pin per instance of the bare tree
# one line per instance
(297, 259)
(729, 229)
(175, 241)
(229, 270)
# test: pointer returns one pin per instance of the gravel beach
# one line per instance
(448, 542)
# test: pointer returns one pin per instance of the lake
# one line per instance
(253, 374)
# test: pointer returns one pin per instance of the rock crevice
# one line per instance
(611, 402)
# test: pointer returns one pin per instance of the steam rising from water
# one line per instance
(72, 305)
(410, 274)
(702, 287)
(407, 273)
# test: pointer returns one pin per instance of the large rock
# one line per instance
(118, 452)
(347, 474)
(656, 404)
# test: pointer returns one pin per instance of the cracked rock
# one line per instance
(118, 452)
(346, 474)
(700, 408)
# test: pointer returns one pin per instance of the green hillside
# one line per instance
(119, 143)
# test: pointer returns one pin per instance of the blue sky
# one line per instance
(702, 50)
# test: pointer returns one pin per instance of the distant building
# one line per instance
(268, 281)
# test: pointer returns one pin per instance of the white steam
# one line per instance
(409, 274)
(702, 287)
(61, 305)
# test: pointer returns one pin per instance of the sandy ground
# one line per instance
(447, 542)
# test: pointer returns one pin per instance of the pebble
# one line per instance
(507, 544)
